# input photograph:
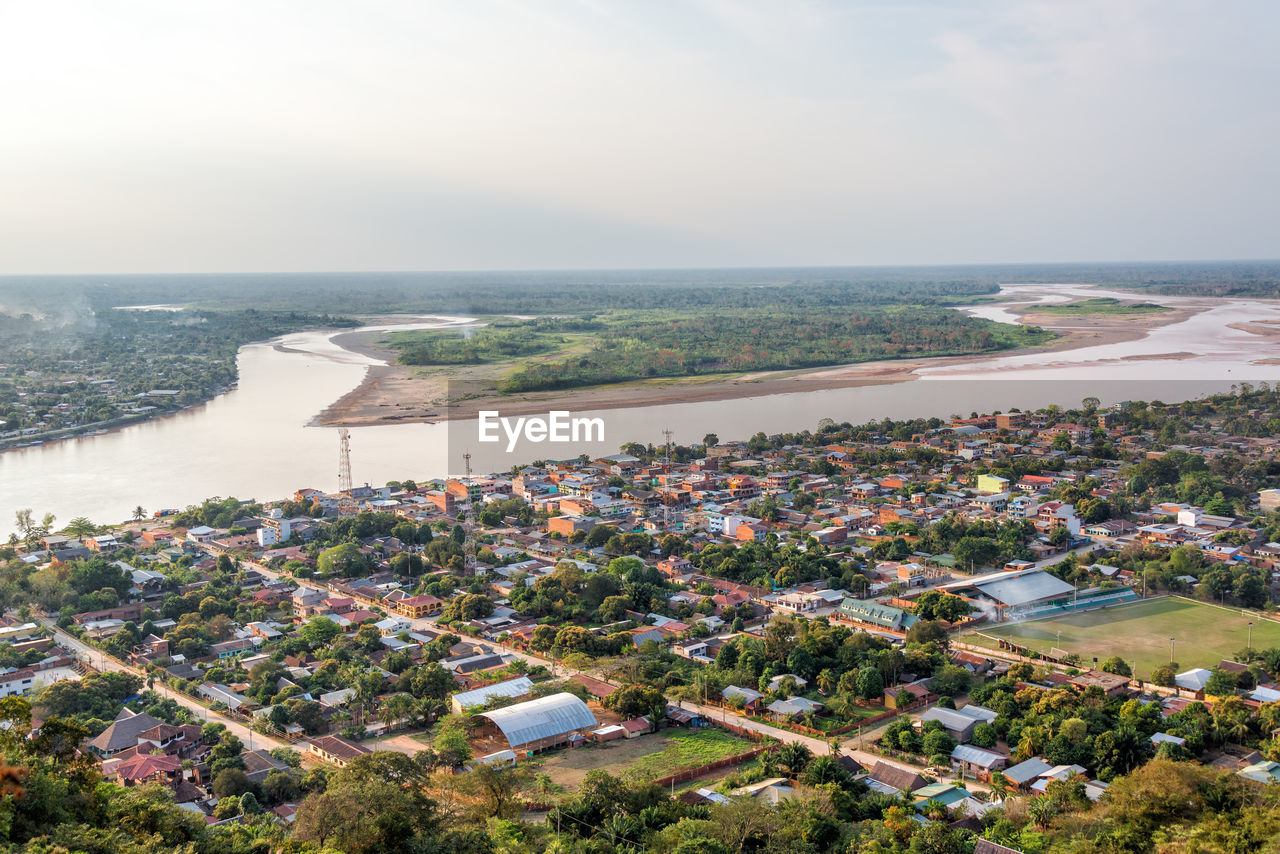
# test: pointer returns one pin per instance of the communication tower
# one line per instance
(344, 460)
(469, 518)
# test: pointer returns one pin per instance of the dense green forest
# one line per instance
(544, 292)
(627, 346)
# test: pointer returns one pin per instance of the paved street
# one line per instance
(101, 661)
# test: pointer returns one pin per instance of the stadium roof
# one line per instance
(545, 717)
(1023, 588)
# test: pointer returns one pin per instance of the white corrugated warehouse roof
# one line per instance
(517, 687)
(1024, 587)
(545, 717)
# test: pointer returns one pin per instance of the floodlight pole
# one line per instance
(1172, 643)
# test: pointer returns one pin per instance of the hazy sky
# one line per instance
(154, 135)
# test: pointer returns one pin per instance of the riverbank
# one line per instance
(398, 394)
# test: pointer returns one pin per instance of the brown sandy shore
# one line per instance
(395, 394)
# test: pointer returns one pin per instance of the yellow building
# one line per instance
(992, 484)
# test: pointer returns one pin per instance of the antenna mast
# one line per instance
(344, 460)
(469, 544)
(666, 469)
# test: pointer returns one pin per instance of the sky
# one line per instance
(154, 136)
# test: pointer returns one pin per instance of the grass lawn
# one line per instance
(1204, 634)
(648, 757)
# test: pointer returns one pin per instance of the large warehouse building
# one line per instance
(1008, 595)
(542, 723)
(517, 687)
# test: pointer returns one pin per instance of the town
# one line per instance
(952, 630)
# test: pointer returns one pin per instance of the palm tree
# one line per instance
(397, 707)
(80, 527)
(793, 757)
(138, 513)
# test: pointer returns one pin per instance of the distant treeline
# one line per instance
(547, 292)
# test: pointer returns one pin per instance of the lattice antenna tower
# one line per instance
(666, 468)
(469, 516)
(344, 460)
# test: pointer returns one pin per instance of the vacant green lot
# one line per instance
(1204, 634)
(648, 757)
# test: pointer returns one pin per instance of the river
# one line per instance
(256, 441)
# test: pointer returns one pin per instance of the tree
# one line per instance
(869, 684)
(344, 560)
(139, 513)
(985, 735)
(318, 631)
(926, 631)
(451, 745)
(793, 757)
(377, 803)
(635, 701)
(1164, 675)
(1220, 683)
(1117, 665)
(231, 782)
(80, 527)
(395, 708)
(950, 680)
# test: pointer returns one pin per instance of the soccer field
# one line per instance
(1203, 634)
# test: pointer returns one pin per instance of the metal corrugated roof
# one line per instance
(517, 687)
(545, 717)
(1031, 587)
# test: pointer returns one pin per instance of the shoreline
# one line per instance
(397, 394)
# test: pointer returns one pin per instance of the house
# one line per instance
(418, 606)
(986, 846)
(947, 794)
(772, 791)
(201, 534)
(123, 732)
(750, 697)
(793, 707)
(893, 779)
(977, 761)
(1025, 773)
(878, 616)
(776, 681)
(143, 768)
(958, 726)
(991, 484)
(336, 750)
(231, 648)
(1194, 679)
